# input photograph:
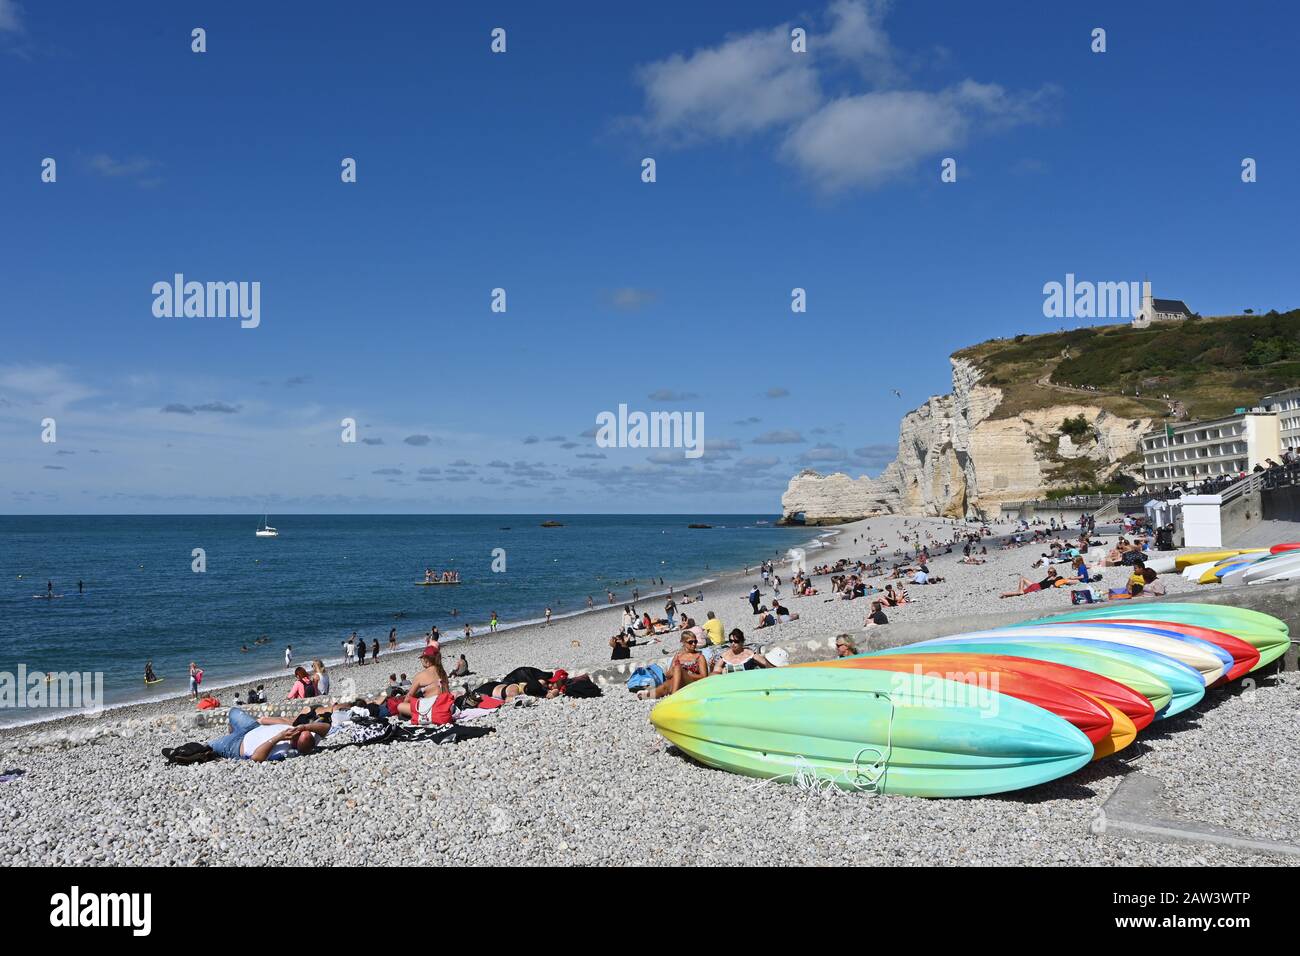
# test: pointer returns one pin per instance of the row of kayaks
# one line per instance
(972, 714)
(1246, 566)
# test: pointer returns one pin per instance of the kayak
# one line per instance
(1186, 685)
(995, 674)
(1228, 618)
(881, 731)
(1244, 656)
(1203, 557)
(1207, 659)
(1157, 694)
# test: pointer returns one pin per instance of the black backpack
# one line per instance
(190, 753)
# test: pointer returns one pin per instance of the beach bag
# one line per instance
(1081, 597)
(189, 753)
(644, 677)
(582, 687)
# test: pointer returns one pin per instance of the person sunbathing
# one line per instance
(687, 666)
(1027, 586)
(267, 738)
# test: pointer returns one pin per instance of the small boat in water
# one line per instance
(266, 531)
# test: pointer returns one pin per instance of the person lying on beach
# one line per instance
(1027, 586)
(687, 666)
(267, 738)
(532, 681)
(844, 646)
(737, 657)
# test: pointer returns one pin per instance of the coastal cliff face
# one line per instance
(955, 461)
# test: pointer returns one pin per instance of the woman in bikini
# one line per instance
(688, 665)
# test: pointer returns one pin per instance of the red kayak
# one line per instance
(1279, 548)
(1244, 656)
(994, 674)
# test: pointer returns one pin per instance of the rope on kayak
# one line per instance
(871, 777)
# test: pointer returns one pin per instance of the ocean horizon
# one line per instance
(145, 594)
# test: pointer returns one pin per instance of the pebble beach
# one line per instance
(579, 782)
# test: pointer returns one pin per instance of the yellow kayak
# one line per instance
(1208, 557)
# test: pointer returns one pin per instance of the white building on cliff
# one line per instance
(1159, 310)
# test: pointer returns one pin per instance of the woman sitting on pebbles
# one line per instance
(687, 666)
(302, 685)
(737, 657)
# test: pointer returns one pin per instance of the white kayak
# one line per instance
(1285, 568)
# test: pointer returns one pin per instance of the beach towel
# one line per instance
(649, 676)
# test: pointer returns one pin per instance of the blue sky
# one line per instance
(522, 171)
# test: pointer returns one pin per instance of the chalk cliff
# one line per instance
(956, 460)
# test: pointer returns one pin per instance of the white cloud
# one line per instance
(11, 20)
(748, 83)
(857, 35)
(753, 83)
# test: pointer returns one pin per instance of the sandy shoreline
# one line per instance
(589, 781)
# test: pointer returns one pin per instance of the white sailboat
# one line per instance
(266, 531)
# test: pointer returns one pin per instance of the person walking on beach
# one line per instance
(288, 656)
(348, 650)
(670, 612)
(374, 651)
(469, 631)
(754, 596)
(492, 624)
(194, 680)
(548, 617)
(392, 639)
(361, 652)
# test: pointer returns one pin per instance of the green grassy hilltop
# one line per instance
(1212, 365)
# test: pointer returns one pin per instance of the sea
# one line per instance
(173, 589)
